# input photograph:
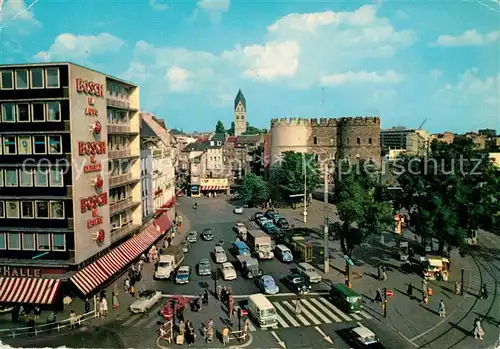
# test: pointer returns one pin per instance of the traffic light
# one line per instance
(385, 293)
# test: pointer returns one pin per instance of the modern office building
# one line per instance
(403, 140)
(70, 194)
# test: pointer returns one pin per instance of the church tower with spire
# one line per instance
(240, 114)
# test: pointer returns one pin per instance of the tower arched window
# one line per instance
(358, 140)
(370, 140)
(315, 140)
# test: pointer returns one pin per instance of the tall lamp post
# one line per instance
(305, 186)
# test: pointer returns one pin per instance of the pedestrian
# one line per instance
(126, 285)
(191, 333)
(483, 292)
(410, 290)
(378, 296)
(458, 288)
(101, 308)
(87, 306)
(36, 312)
(424, 285)
(230, 307)
(116, 303)
(478, 329)
(132, 291)
(182, 328)
(72, 319)
(205, 298)
(384, 273)
(379, 272)
(225, 336)
(442, 310)
(297, 307)
(219, 292)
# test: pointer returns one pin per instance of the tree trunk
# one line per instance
(343, 245)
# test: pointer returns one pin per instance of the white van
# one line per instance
(262, 310)
(220, 254)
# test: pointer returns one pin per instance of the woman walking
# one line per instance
(116, 303)
(442, 309)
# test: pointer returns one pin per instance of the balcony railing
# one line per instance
(116, 181)
(120, 206)
(119, 128)
(120, 154)
(124, 231)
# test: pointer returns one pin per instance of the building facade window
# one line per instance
(53, 111)
(315, 140)
(370, 141)
(28, 241)
(7, 80)
(9, 145)
(56, 210)
(52, 77)
(55, 144)
(3, 242)
(8, 112)
(22, 79)
(14, 241)
(56, 177)
(43, 242)
(41, 210)
(27, 209)
(12, 209)
(58, 242)
(11, 178)
(38, 112)
(24, 145)
(39, 145)
(2, 209)
(37, 78)
(26, 178)
(23, 112)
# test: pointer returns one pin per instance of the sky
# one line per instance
(404, 61)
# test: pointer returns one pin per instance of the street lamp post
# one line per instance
(305, 186)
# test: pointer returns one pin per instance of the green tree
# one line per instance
(254, 189)
(288, 177)
(219, 128)
(252, 130)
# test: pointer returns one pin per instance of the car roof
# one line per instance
(305, 265)
(184, 268)
(227, 264)
(219, 249)
(267, 277)
(192, 232)
(363, 332)
(204, 260)
(207, 229)
(240, 223)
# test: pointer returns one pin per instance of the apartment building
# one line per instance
(158, 162)
(403, 140)
(70, 197)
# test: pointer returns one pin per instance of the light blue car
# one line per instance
(268, 285)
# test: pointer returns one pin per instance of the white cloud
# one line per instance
(69, 46)
(214, 5)
(363, 77)
(178, 79)
(16, 10)
(468, 38)
(157, 5)
(471, 86)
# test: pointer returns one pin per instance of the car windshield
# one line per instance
(163, 264)
(353, 299)
(228, 267)
(269, 281)
(183, 273)
(268, 312)
(298, 280)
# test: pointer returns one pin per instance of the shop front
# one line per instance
(212, 187)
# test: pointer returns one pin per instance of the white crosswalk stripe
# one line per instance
(306, 303)
(327, 311)
(299, 316)
(289, 317)
(305, 311)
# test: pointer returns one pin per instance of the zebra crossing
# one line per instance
(315, 311)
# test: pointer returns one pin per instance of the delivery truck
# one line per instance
(260, 243)
(168, 262)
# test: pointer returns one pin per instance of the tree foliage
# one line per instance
(361, 206)
(219, 128)
(288, 177)
(449, 193)
(251, 130)
(254, 189)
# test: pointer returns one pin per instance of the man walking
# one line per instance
(442, 310)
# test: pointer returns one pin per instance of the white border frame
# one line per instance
(18, 240)
(15, 113)
(46, 177)
(63, 209)
(5, 176)
(48, 209)
(32, 209)
(31, 79)
(46, 145)
(43, 111)
(27, 78)
(26, 170)
(60, 143)
(47, 77)
(19, 145)
(61, 171)
(37, 245)
(4, 145)
(34, 242)
(7, 210)
(47, 111)
(53, 245)
(11, 79)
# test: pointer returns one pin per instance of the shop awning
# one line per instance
(28, 290)
(213, 187)
(162, 222)
(97, 273)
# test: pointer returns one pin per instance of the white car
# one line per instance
(238, 210)
(228, 271)
(308, 271)
(240, 228)
(220, 254)
(146, 300)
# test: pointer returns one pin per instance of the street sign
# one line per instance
(348, 260)
(389, 293)
(243, 312)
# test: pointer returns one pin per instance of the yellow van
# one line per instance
(262, 310)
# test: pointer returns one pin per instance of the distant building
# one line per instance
(240, 114)
(488, 132)
(495, 159)
(445, 137)
(403, 140)
(241, 154)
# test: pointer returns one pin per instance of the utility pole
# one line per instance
(325, 226)
(305, 187)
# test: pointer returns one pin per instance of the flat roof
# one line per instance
(48, 64)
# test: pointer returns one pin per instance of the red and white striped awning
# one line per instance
(28, 290)
(213, 187)
(97, 273)
(162, 223)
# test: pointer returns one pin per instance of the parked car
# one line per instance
(297, 283)
(146, 300)
(256, 216)
(183, 275)
(207, 235)
(261, 220)
(282, 223)
(309, 272)
(269, 228)
(228, 271)
(192, 236)
(270, 214)
(240, 228)
(361, 337)
(204, 267)
(268, 285)
(185, 246)
(238, 210)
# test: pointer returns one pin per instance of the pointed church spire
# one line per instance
(240, 98)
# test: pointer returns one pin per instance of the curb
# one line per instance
(248, 342)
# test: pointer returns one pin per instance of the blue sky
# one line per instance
(401, 60)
